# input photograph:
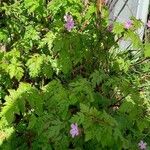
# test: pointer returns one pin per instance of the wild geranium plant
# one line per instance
(66, 83)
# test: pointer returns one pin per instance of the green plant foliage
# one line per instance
(147, 50)
(61, 68)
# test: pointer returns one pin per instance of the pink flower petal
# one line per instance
(74, 130)
(128, 24)
(148, 24)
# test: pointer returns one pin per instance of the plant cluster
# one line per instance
(65, 82)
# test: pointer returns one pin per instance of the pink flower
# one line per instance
(69, 22)
(142, 145)
(128, 24)
(74, 130)
(148, 24)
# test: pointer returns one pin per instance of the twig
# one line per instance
(139, 62)
(114, 104)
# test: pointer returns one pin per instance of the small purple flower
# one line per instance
(74, 130)
(142, 145)
(69, 22)
(148, 24)
(128, 24)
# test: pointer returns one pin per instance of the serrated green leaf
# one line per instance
(15, 69)
(49, 38)
(3, 35)
(90, 11)
(118, 28)
(34, 64)
(32, 121)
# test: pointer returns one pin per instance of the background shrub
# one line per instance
(66, 83)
